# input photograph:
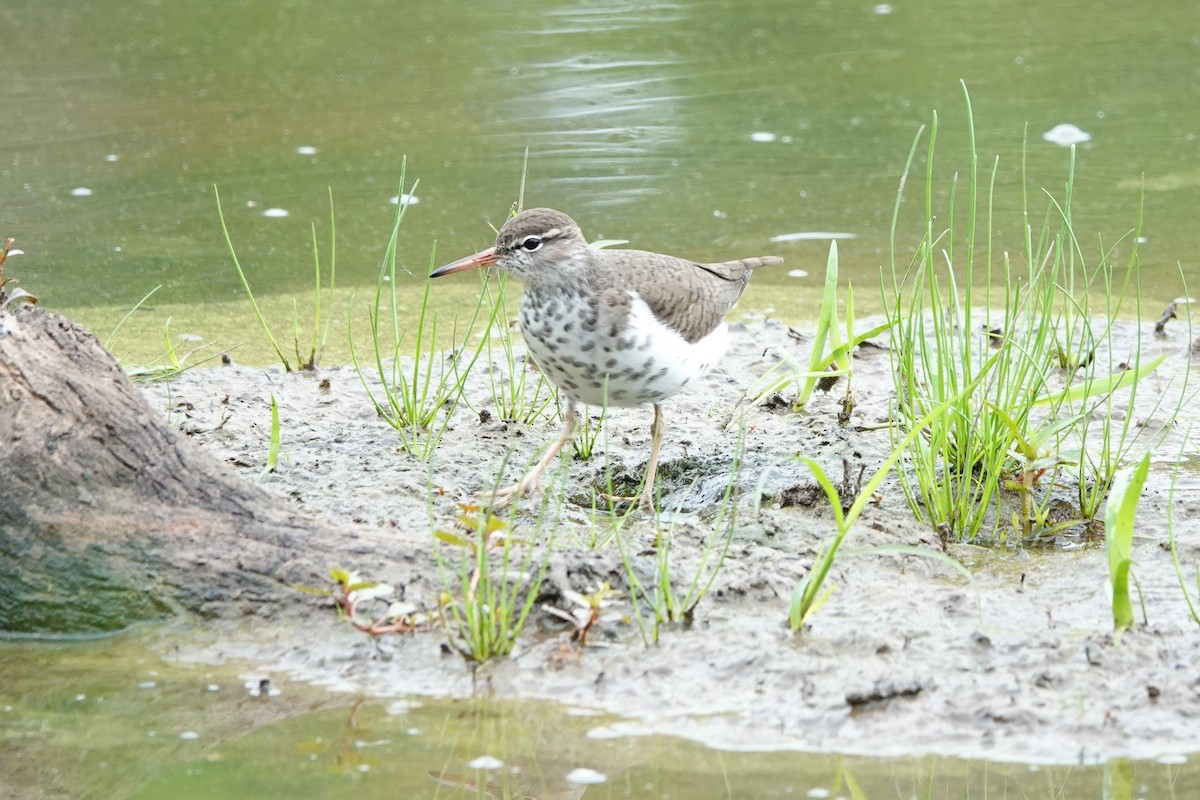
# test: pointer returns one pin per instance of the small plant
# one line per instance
(810, 593)
(663, 600)
(319, 338)
(520, 391)
(587, 610)
(352, 596)
(1119, 513)
(1034, 458)
(588, 433)
(496, 586)
(431, 383)
(113, 333)
(168, 365)
(273, 446)
(8, 296)
(824, 367)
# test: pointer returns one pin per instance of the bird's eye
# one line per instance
(531, 243)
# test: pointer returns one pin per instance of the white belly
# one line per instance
(644, 363)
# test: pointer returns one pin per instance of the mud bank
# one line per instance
(905, 658)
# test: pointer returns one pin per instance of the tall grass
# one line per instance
(420, 383)
(1028, 334)
(320, 334)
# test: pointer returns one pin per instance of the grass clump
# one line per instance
(810, 592)
(665, 601)
(520, 391)
(1034, 341)
(418, 380)
(826, 364)
(319, 335)
(496, 583)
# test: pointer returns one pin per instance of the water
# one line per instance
(113, 718)
(711, 129)
(705, 128)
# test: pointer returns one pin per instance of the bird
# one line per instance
(624, 328)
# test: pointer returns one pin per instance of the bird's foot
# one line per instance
(645, 500)
(530, 484)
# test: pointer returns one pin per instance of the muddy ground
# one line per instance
(906, 657)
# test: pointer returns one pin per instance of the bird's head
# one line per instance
(535, 245)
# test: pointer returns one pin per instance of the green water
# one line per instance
(113, 719)
(640, 120)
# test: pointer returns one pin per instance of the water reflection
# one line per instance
(603, 116)
(645, 122)
(112, 718)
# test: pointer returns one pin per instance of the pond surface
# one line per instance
(113, 718)
(712, 129)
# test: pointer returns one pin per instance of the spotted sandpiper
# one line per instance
(622, 327)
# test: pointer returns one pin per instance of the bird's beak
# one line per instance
(484, 258)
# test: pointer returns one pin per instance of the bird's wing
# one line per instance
(692, 298)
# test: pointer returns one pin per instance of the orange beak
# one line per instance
(484, 258)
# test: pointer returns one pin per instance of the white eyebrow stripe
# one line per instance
(552, 233)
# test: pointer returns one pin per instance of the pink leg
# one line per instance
(533, 479)
(657, 429)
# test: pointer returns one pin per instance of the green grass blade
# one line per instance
(246, 284)
(1119, 513)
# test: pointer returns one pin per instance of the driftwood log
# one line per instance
(108, 517)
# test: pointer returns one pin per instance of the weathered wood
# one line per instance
(108, 516)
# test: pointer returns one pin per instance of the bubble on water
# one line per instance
(189, 736)
(275, 212)
(111, 157)
(797, 273)
(883, 9)
(1066, 135)
(762, 136)
(583, 776)
(81, 191)
(485, 762)
(306, 150)
(147, 685)
(409, 199)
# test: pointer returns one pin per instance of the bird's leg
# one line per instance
(533, 479)
(657, 429)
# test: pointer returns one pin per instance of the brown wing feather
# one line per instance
(692, 298)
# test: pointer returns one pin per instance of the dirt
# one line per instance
(906, 657)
